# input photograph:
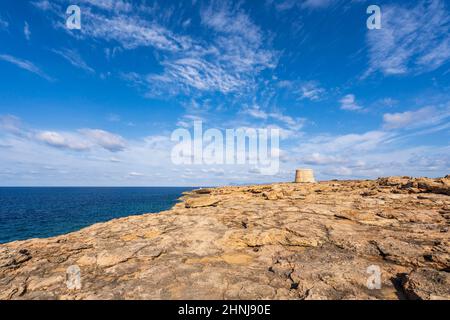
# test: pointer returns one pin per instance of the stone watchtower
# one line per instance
(304, 176)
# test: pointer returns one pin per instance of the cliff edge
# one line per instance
(324, 240)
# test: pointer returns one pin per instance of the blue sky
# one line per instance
(97, 106)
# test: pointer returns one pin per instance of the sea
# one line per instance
(41, 212)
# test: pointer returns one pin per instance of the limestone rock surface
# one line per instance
(279, 241)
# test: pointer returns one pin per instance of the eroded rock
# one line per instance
(280, 241)
(201, 202)
(427, 284)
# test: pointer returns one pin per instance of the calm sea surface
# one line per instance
(45, 212)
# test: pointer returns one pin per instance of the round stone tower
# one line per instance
(304, 176)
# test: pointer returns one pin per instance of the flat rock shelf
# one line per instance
(279, 241)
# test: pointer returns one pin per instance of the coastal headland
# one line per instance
(382, 239)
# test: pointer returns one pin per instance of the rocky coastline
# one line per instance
(279, 241)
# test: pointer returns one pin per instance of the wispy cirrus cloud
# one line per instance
(132, 31)
(343, 143)
(303, 4)
(107, 140)
(11, 124)
(26, 31)
(317, 158)
(288, 122)
(197, 73)
(311, 90)
(427, 116)
(349, 103)
(3, 24)
(25, 65)
(413, 39)
(111, 5)
(74, 59)
(45, 5)
(228, 62)
(221, 18)
(241, 43)
(315, 4)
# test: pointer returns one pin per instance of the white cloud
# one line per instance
(291, 123)
(214, 171)
(3, 23)
(351, 155)
(389, 150)
(284, 5)
(135, 174)
(26, 31)
(221, 18)
(312, 91)
(345, 143)
(132, 32)
(256, 112)
(105, 139)
(26, 65)
(426, 116)
(200, 74)
(112, 117)
(303, 4)
(146, 161)
(317, 158)
(74, 59)
(316, 4)
(431, 162)
(110, 5)
(62, 140)
(339, 171)
(228, 62)
(411, 40)
(349, 103)
(80, 140)
(44, 5)
(387, 102)
(11, 124)
(187, 120)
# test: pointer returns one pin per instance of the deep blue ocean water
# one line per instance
(45, 212)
